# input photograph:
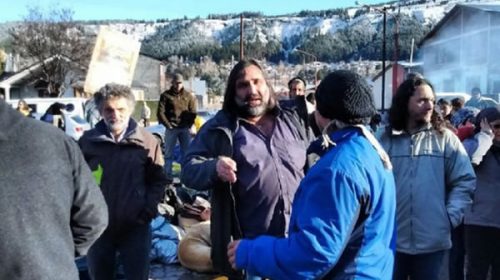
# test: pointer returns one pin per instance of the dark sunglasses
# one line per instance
(496, 126)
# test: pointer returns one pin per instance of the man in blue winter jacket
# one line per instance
(342, 223)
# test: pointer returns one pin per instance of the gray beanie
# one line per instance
(344, 95)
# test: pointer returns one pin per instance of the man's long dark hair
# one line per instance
(229, 104)
(398, 113)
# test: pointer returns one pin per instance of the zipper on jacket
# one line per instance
(412, 146)
(412, 241)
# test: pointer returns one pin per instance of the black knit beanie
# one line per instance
(344, 95)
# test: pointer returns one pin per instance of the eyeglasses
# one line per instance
(496, 126)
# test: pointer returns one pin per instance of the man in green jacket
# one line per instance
(176, 111)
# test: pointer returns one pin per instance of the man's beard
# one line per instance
(423, 121)
(117, 126)
(244, 110)
(177, 90)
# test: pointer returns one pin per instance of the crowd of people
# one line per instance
(303, 188)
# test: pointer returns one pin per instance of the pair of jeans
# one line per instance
(457, 254)
(482, 245)
(132, 249)
(171, 137)
(418, 267)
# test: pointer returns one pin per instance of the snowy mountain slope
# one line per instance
(277, 28)
(289, 31)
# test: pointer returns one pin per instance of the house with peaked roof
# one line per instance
(148, 82)
(149, 77)
(28, 82)
(463, 50)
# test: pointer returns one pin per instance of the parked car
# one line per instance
(74, 125)
(66, 113)
(451, 95)
(41, 105)
(206, 115)
(158, 130)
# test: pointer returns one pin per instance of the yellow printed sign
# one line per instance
(113, 60)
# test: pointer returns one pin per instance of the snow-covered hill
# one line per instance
(287, 31)
(284, 27)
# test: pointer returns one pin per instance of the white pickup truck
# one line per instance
(72, 117)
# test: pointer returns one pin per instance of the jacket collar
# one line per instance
(275, 111)
(425, 127)
(132, 135)
(361, 130)
(226, 120)
(173, 92)
(344, 133)
(327, 141)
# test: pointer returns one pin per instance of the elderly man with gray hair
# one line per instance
(127, 162)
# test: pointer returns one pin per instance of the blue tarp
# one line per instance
(166, 238)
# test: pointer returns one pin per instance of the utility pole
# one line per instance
(241, 37)
(395, 67)
(315, 60)
(395, 80)
(382, 108)
(395, 83)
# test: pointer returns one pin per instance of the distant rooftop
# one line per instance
(487, 7)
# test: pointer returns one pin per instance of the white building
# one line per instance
(199, 88)
(463, 50)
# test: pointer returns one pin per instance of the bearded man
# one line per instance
(434, 180)
(127, 163)
(252, 155)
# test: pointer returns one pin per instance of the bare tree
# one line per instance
(55, 41)
(3, 56)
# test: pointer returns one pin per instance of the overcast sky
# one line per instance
(13, 10)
